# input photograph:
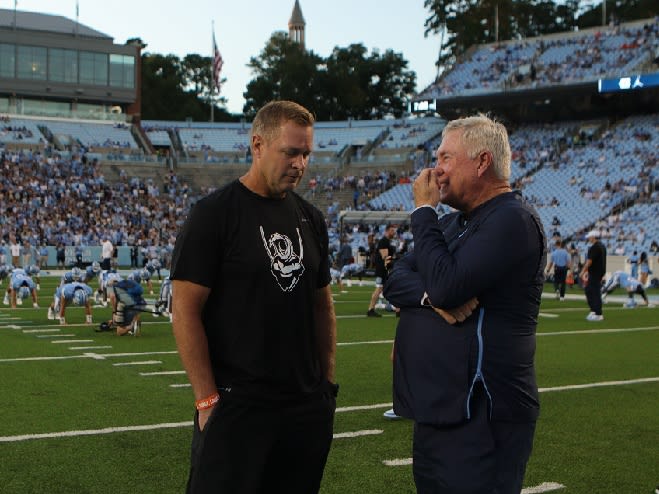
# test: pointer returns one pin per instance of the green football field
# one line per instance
(85, 412)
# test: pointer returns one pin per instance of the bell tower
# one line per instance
(296, 25)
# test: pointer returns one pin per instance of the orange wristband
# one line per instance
(208, 402)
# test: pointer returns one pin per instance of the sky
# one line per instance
(243, 27)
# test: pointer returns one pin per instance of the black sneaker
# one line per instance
(372, 313)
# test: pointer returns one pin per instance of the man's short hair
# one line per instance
(273, 115)
(482, 133)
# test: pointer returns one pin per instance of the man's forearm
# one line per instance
(325, 319)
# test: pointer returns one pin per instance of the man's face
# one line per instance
(282, 161)
(455, 171)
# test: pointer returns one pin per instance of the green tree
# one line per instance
(620, 11)
(175, 89)
(283, 70)
(349, 83)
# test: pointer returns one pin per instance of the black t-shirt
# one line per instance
(597, 255)
(263, 260)
(383, 243)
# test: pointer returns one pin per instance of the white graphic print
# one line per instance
(285, 265)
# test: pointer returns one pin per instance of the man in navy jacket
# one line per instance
(468, 379)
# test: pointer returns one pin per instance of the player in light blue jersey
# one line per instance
(630, 284)
(92, 272)
(34, 272)
(350, 270)
(164, 303)
(106, 279)
(73, 293)
(20, 287)
(142, 276)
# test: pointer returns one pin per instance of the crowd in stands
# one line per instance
(60, 201)
(548, 60)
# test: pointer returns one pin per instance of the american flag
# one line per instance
(217, 65)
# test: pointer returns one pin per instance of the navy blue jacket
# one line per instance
(497, 254)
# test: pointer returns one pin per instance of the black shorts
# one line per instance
(251, 448)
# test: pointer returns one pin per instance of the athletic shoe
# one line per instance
(88, 319)
(51, 314)
(62, 320)
(5, 300)
(35, 305)
(650, 305)
(372, 313)
(136, 327)
(19, 301)
(594, 317)
(391, 415)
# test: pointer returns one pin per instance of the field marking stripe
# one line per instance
(599, 331)
(363, 407)
(162, 373)
(102, 347)
(137, 428)
(599, 384)
(143, 362)
(374, 342)
(94, 432)
(343, 435)
(544, 487)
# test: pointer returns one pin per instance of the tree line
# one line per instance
(353, 82)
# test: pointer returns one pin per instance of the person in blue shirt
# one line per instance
(633, 261)
(71, 293)
(466, 377)
(559, 261)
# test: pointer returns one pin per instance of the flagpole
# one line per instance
(212, 88)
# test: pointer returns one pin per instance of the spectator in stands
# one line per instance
(477, 394)
(382, 258)
(273, 429)
(592, 273)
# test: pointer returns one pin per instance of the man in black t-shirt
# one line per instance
(592, 273)
(382, 255)
(254, 320)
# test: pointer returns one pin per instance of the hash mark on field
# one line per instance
(343, 435)
(375, 342)
(58, 335)
(54, 330)
(162, 373)
(544, 487)
(144, 362)
(90, 347)
(184, 385)
(62, 342)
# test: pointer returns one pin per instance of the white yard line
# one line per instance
(143, 362)
(136, 428)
